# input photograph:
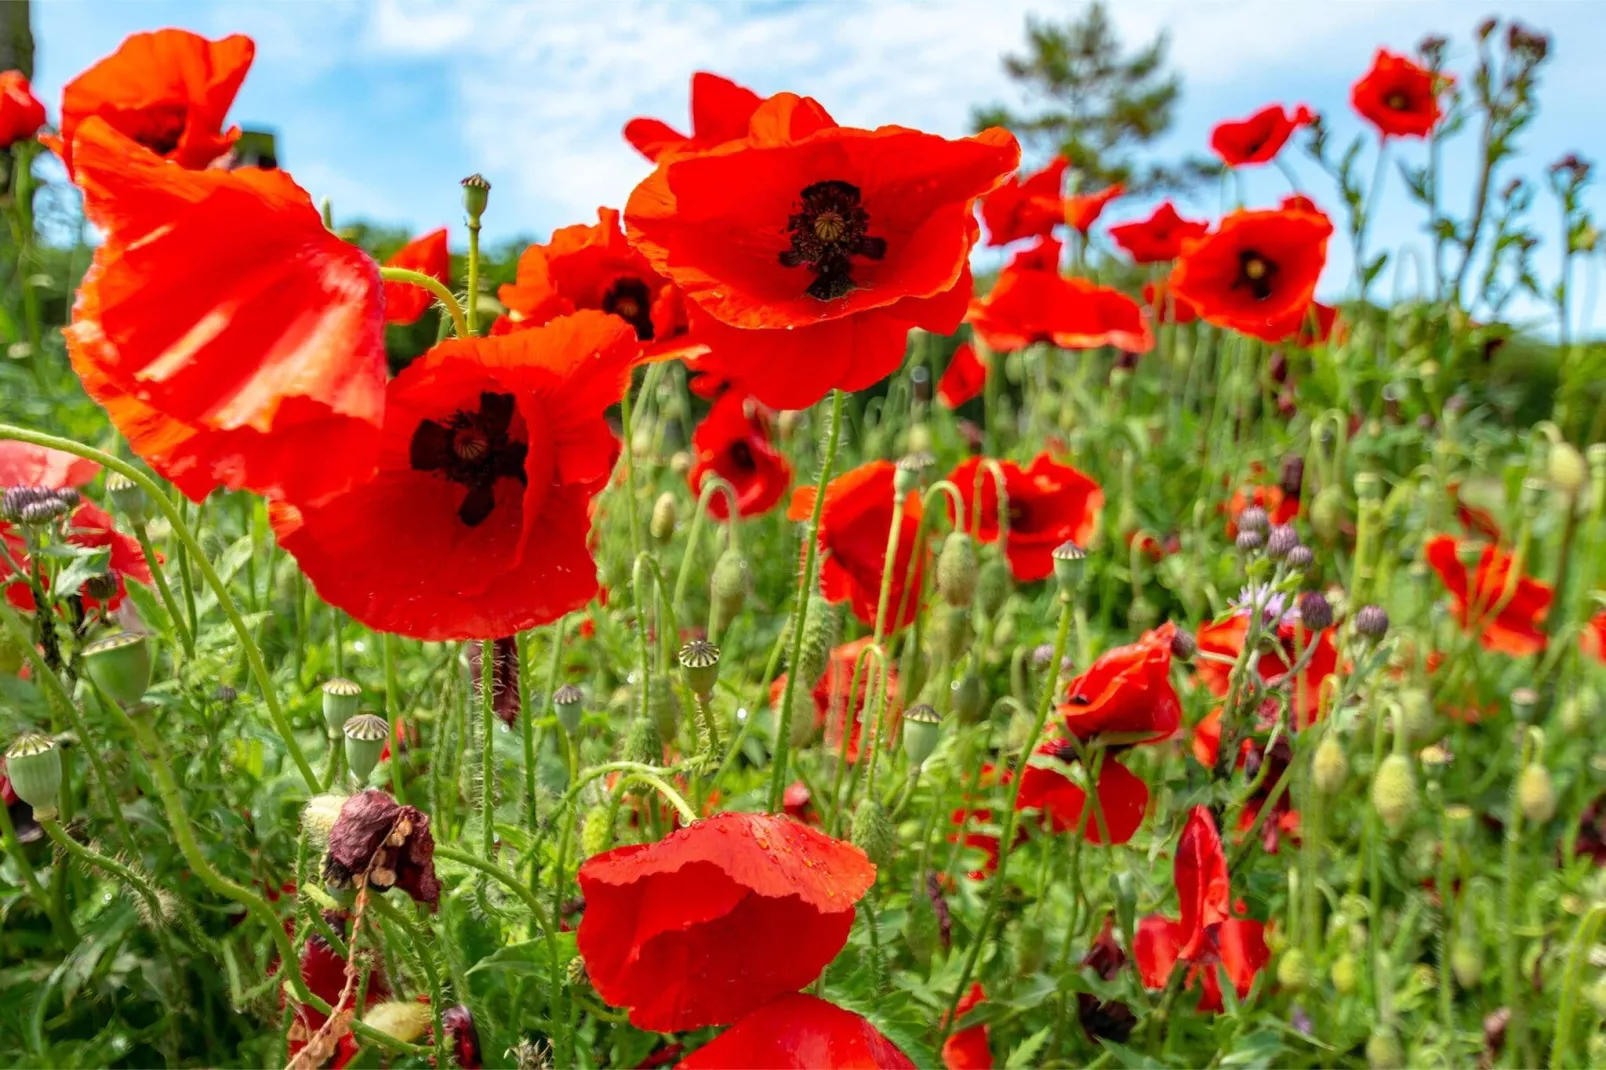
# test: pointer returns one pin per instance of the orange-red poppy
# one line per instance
(1026, 207)
(324, 972)
(427, 255)
(1226, 638)
(232, 339)
(1592, 640)
(1046, 504)
(21, 114)
(1164, 305)
(23, 464)
(1397, 96)
(1257, 272)
(733, 442)
(854, 523)
(1318, 326)
(592, 266)
(476, 522)
(799, 1032)
(1508, 609)
(720, 111)
(834, 710)
(91, 527)
(1083, 210)
(1280, 508)
(1127, 692)
(805, 225)
(718, 919)
(963, 379)
(969, 1049)
(169, 91)
(1123, 796)
(1158, 238)
(1259, 138)
(1032, 302)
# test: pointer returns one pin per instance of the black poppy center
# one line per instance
(1020, 516)
(630, 300)
(1255, 273)
(741, 457)
(472, 448)
(829, 228)
(1397, 101)
(164, 128)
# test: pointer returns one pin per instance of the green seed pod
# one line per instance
(918, 439)
(1344, 974)
(957, 569)
(953, 633)
(568, 703)
(922, 932)
(1466, 959)
(992, 586)
(644, 745)
(596, 835)
(727, 590)
(127, 497)
(1293, 970)
(699, 666)
(922, 728)
(1329, 766)
(1383, 1051)
(664, 705)
(1030, 947)
(121, 665)
(873, 833)
(1394, 794)
(1070, 561)
(1536, 794)
(969, 698)
(476, 195)
(664, 515)
(1419, 722)
(33, 762)
(366, 734)
(1328, 515)
(1567, 469)
(340, 700)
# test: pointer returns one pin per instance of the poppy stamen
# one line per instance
(741, 455)
(472, 448)
(165, 125)
(1397, 101)
(830, 227)
(1255, 272)
(631, 300)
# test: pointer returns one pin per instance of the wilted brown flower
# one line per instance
(383, 844)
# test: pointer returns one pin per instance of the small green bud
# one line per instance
(699, 666)
(1069, 561)
(476, 194)
(1142, 614)
(665, 511)
(1327, 514)
(957, 569)
(127, 496)
(644, 745)
(33, 762)
(1031, 947)
(1567, 469)
(340, 700)
(1293, 970)
(953, 632)
(1536, 794)
(1577, 713)
(992, 586)
(1524, 700)
(821, 631)
(1394, 794)
(802, 729)
(918, 440)
(922, 728)
(1343, 973)
(664, 705)
(1383, 1051)
(968, 698)
(568, 702)
(1419, 722)
(727, 590)
(873, 833)
(366, 734)
(1368, 487)
(1329, 766)
(120, 665)
(1466, 959)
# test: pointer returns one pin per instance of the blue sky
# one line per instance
(384, 105)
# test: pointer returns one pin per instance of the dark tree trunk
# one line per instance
(16, 37)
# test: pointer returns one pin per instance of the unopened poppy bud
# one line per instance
(1329, 766)
(680, 463)
(727, 590)
(120, 664)
(992, 586)
(953, 632)
(968, 698)
(1069, 563)
(319, 815)
(340, 700)
(1254, 518)
(127, 496)
(664, 514)
(1383, 1051)
(1183, 645)
(699, 666)
(1466, 957)
(1567, 468)
(910, 470)
(1281, 541)
(1536, 794)
(1577, 713)
(33, 762)
(476, 194)
(1394, 794)
(873, 833)
(957, 570)
(1343, 973)
(576, 974)
(1293, 970)
(1249, 541)
(365, 734)
(596, 834)
(1300, 558)
(1315, 611)
(820, 633)
(1327, 514)
(803, 716)
(1372, 622)
(644, 745)
(918, 439)
(404, 1019)
(1368, 487)
(566, 703)
(664, 705)
(1142, 614)
(922, 728)
(1419, 722)
(1523, 702)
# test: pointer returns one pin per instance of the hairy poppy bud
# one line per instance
(664, 705)
(596, 834)
(918, 440)
(1281, 541)
(127, 496)
(1142, 614)
(1249, 541)
(1343, 973)
(953, 632)
(803, 717)
(403, 1019)
(728, 590)
(873, 832)
(1315, 611)
(566, 703)
(1069, 561)
(1394, 794)
(1383, 1051)
(820, 633)
(476, 195)
(922, 931)
(1419, 723)
(1466, 957)
(664, 514)
(922, 728)
(1327, 514)
(1567, 469)
(968, 698)
(992, 586)
(1030, 947)
(1536, 794)
(120, 665)
(957, 569)
(33, 762)
(340, 700)
(1254, 518)
(1329, 766)
(1300, 558)
(1577, 713)
(1372, 622)
(365, 742)
(644, 745)
(699, 666)
(1293, 970)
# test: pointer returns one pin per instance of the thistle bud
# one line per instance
(33, 763)
(1315, 611)
(1293, 970)
(957, 569)
(1394, 794)
(1300, 558)
(922, 728)
(1383, 1051)
(340, 700)
(968, 698)
(596, 834)
(1281, 541)
(366, 734)
(1371, 623)
(992, 586)
(727, 590)
(476, 195)
(567, 702)
(1567, 469)
(1329, 766)
(1069, 562)
(1254, 518)
(873, 833)
(127, 496)
(1249, 541)
(699, 666)
(664, 515)
(1183, 645)
(120, 664)
(1536, 794)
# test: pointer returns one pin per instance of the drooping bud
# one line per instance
(1329, 766)
(1281, 541)
(120, 664)
(596, 834)
(1254, 518)
(727, 590)
(1536, 794)
(1069, 563)
(127, 496)
(1249, 541)
(567, 702)
(341, 698)
(1567, 469)
(873, 832)
(476, 195)
(922, 728)
(1315, 611)
(699, 666)
(1371, 623)
(1394, 794)
(366, 734)
(664, 514)
(33, 763)
(957, 569)
(1327, 516)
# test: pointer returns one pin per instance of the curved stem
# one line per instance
(168, 601)
(437, 289)
(712, 484)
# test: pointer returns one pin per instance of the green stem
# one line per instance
(488, 747)
(387, 656)
(92, 857)
(168, 601)
(1577, 965)
(419, 940)
(59, 920)
(438, 290)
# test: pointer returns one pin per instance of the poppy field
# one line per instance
(870, 599)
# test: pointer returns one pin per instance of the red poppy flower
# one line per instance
(1032, 302)
(1164, 306)
(968, 1049)
(1511, 623)
(1026, 207)
(806, 223)
(91, 527)
(1203, 890)
(717, 919)
(324, 972)
(23, 464)
(232, 339)
(963, 379)
(1123, 797)
(720, 112)
(1226, 638)
(1317, 326)
(733, 442)
(854, 524)
(1259, 138)
(1398, 97)
(1593, 639)
(427, 255)
(1127, 692)
(1048, 503)
(476, 523)
(168, 91)
(831, 700)
(1256, 273)
(1158, 238)
(1252, 756)
(1474, 519)
(799, 1032)
(1083, 210)
(798, 802)
(592, 266)
(21, 114)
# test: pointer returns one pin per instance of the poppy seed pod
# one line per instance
(873, 833)
(1536, 794)
(365, 742)
(699, 666)
(1566, 467)
(127, 496)
(566, 703)
(33, 763)
(910, 470)
(1183, 645)
(727, 590)
(120, 665)
(476, 195)
(922, 728)
(1329, 766)
(1524, 700)
(1069, 562)
(340, 700)
(665, 512)
(1394, 794)
(957, 569)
